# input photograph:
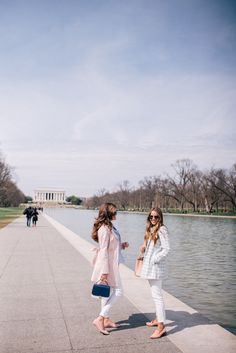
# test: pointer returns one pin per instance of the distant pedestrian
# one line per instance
(28, 212)
(155, 248)
(106, 262)
(35, 217)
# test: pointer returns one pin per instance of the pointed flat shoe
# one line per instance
(111, 324)
(100, 328)
(152, 323)
(158, 334)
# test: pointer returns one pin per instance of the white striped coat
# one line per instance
(154, 257)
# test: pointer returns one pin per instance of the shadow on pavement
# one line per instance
(179, 320)
(133, 321)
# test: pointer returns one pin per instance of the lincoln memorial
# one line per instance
(49, 195)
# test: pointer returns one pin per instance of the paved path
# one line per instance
(46, 306)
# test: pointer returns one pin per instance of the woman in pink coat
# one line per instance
(106, 262)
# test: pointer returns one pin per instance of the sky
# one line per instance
(95, 92)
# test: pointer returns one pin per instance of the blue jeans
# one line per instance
(28, 221)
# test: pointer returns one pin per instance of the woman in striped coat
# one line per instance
(155, 248)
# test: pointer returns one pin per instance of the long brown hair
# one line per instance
(152, 230)
(105, 214)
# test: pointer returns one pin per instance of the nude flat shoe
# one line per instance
(158, 334)
(111, 324)
(98, 324)
(152, 323)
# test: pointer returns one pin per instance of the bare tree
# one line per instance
(210, 195)
(225, 182)
(5, 172)
(5, 177)
(189, 187)
(123, 194)
(192, 194)
(10, 195)
(168, 192)
(14, 196)
(149, 191)
(184, 169)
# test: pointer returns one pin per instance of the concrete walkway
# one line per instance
(46, 306)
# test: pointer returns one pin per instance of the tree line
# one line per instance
(189, 189)
(74, 200)
(10, 194)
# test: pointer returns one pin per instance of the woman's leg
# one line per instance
(103, 321)
(107, 303)
(156, 290)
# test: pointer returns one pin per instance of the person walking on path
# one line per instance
(155, 249)
(28, 212)
(106, 262)
(35, 216)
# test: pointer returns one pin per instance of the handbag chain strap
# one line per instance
(102, 281)
(105, 280)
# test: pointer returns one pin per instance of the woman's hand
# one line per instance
(142, 248)
(124, 245)
(104, 277)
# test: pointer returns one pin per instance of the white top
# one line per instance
(154, 256)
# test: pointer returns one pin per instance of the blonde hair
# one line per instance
(152, 230)
(105, 214)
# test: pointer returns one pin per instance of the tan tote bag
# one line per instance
(138, 265)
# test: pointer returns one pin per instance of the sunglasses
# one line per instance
(154, 217)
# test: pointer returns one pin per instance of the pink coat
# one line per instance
(107, 258)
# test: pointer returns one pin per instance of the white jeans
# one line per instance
(107, 303)
(156, 290)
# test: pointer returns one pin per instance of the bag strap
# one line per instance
(103, 281)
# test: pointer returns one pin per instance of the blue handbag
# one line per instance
(101, 290)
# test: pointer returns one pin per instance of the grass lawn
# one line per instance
(8, 214)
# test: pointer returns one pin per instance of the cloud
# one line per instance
(149, 111)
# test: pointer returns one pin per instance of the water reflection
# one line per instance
(201, 263)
